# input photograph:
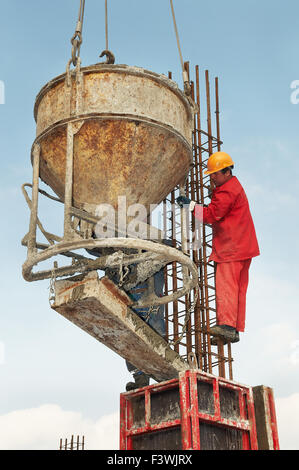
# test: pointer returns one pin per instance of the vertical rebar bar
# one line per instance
(197, 335)
(185, 247)
(221, 366)
(174, 275)
(166, 273)
(196, 253)
(230, 361)
(217, 114)
(210, 147)
(209, 113)
(200, 200)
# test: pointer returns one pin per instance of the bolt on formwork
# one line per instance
(188, 329)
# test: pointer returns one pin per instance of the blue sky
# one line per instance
(252, 46)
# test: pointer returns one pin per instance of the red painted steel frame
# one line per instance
(245, 424)
(191, 417)
(126, 416)
(273, 419)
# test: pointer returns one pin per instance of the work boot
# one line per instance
(225, 331)
(141, 380)
(236, 339)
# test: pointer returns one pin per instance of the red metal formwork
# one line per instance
(197, 411)
(242, 421)
(273, 421)
(131, 425)
(265, 418)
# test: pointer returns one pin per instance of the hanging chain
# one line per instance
(52, 284)
(118, 258)
(151, 311)
(76, 40)
(123, 272)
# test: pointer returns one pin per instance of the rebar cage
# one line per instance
(197, 338)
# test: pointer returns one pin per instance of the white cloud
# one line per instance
(282, 349)
(260, 187)
(294, 356)
(268, 352)
(271, 150)
(2, 353)
(269, 198)
(271, 299)
(287, 413)
(41, 429)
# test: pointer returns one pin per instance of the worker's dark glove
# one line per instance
(183, 201)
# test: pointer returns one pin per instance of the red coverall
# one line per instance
(234, 245)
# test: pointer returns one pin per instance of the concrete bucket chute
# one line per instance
(105, 132)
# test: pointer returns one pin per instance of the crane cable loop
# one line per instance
(76, 49)
(76, 40)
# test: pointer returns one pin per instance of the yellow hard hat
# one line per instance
(218, 161)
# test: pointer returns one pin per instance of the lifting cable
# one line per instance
(76, 40)
(110, 59)
(106, 24)
(185, 74)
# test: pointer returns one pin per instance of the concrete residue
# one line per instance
(101, 309)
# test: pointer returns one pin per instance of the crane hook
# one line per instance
(110, 56)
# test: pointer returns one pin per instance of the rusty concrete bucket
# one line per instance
(104, 132)
(132, 135)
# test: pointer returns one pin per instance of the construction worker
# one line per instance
(154, 318)
(234, 244)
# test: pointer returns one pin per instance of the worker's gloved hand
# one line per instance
(185, 201)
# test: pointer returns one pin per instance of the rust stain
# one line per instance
(113, 158)
(111, 287)
(75, 285)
